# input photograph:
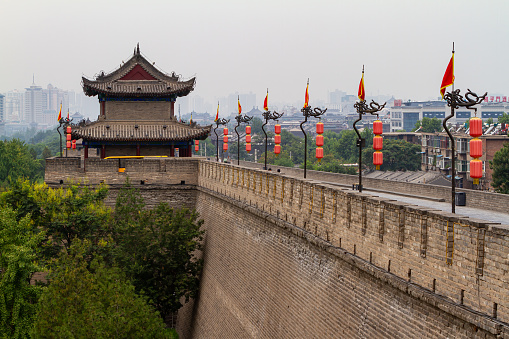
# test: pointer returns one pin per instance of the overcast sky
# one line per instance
(245, 46)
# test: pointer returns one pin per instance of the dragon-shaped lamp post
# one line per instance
(268, 115)
(219, 122)
(455, 100)
(362, 108)
(63, 123)
(240, 119)
(308, 112)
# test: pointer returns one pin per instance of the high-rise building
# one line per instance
(13, 106)
(34, 103)
(2, 107)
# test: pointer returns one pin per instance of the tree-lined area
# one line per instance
(70, 267)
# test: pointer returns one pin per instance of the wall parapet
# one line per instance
(460, 260)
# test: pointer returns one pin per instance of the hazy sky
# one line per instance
(245, 46)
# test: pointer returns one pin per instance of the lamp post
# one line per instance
(63, 122)
(219, 122)
(455, 100)
(307, 111)
(240, 119)
(363, 108)
(268, 115)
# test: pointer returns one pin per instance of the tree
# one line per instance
(157, 249)
(500, 167)
(504, 118)
(428, 125)
(19, 244)
(93, 301)
(330, 164)
(398, 155)
(489, 121)
(17, 161)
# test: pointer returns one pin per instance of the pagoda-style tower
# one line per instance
(137, 112)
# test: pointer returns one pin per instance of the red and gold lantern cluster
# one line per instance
(248, 138)
(319, 141)
(476, 149)
(378, 141)
(196, 145)
(68, 137)
(277, 139)
(225, 139)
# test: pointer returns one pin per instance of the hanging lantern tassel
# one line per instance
(476, 149)
(277, 139)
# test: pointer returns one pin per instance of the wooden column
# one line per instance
(172, 109)
(86, 152)
(138, 150)
(103, 151)
(172, 150)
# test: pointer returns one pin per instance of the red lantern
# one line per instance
(196, 148)
(225, 138)
(68, 144)
(248, 147)
(68, 130)
(248, 129)
(378, 127)
(319, 153)
(476, 170)
(319, 128)
(378, 159)
(378, 143)
(475, 127)
(248, 138)
(74, 144)
(277, 129)
(197, 142)
(277, 149)
(225, 147)
(319, 141)
(277, 139)
(476, 148)
(225, 131)
(68, 136)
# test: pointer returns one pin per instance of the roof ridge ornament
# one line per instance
(138, 48)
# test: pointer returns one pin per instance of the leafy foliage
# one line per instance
(398, 155)
(156, 248)
(500, 167)
(17, 161)
(93, 301)
(19, 244)
(429, 125)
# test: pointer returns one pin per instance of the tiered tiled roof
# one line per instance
(137, 78)
(137, 131)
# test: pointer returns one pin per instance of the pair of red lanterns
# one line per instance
(70, 143)
(378, 141)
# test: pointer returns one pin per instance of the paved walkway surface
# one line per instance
(476, 213)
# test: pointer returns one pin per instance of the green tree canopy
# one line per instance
(428, 125)
(157, 249)
(500, 167)
(93, 301)
(17, 161)
(398, 155)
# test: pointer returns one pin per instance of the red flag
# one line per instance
(67, 114)
(217, 114)
(448, 79)
(60, 113)
(266, 101)
(362, 94)
(306, 97)
(240, 107)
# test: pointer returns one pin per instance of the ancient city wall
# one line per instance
(295, 258)
(479, 199)
(287, 257)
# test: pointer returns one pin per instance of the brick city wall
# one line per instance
(287, 258)
(478, 199)
(130, 110)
